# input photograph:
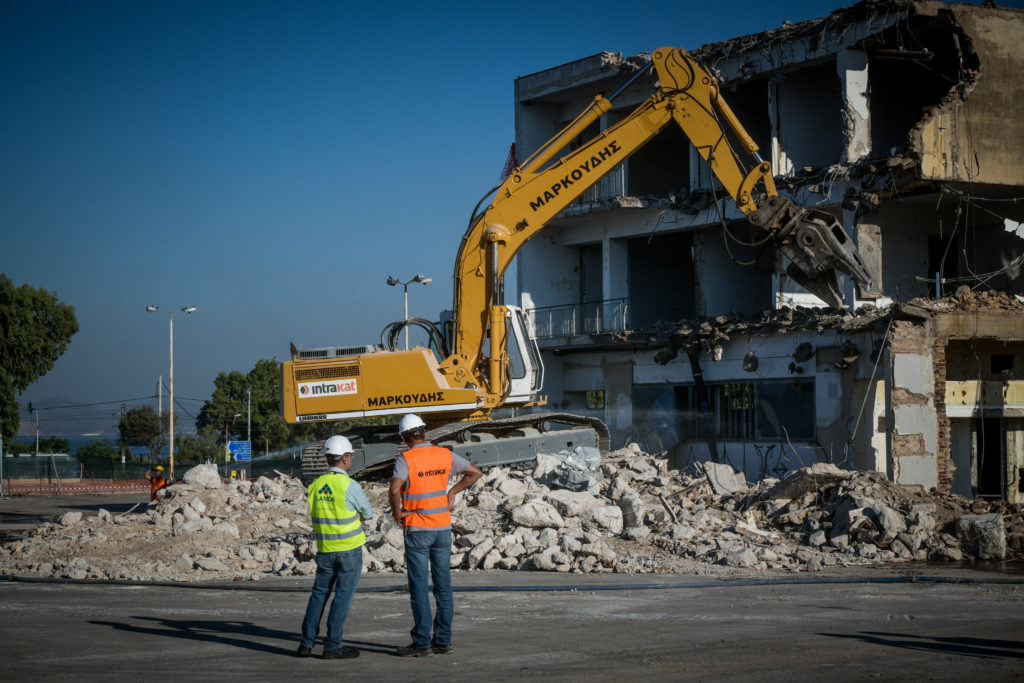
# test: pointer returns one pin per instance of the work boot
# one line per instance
(441, 649)
(341, 653)
(303, 651)
(412, 651)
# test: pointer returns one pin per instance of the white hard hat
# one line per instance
(410, 422)
(337, 445)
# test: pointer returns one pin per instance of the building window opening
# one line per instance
(1002, 364)
(771, 410)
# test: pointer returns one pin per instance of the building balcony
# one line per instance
(589, 318)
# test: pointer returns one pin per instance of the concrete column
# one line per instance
(852, 66)
(618, 396)
(614, 269)
(780, 161)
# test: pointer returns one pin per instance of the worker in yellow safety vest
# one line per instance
(338, 507)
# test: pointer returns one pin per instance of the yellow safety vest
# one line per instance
(335, 525)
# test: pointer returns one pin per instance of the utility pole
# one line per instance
(248, 418)
(30, 411)
(1, 457)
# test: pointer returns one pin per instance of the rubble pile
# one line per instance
(572, 513)
(709, 335)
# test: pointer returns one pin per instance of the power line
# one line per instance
(98, 403)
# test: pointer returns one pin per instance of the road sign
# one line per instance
(240, 450)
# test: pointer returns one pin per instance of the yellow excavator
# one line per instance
(485, 357)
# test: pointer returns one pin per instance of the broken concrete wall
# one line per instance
(975, 134)
(767, 447)
(912, 397)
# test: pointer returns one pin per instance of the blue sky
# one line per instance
(270, 163)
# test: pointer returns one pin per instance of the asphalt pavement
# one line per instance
(882, 623)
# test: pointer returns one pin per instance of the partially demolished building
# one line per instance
(899, 118)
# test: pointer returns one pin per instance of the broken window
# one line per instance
(770, 410)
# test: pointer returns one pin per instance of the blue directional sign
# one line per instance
(240, 450)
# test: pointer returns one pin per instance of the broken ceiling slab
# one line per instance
(552, 84)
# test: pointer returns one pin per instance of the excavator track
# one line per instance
(504, 442)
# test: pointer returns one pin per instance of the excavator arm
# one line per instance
(536, 192)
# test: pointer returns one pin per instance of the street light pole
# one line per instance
(392, 281)
(170, 381)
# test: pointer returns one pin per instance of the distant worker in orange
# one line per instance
(157, 482)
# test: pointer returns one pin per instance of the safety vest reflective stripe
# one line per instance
(424, 496)
(335, 526)
(431, 511)
(328, 520)
(336, 537)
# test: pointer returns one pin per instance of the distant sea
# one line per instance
(76, 442)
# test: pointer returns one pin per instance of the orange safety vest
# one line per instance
(155, 484)
(426, 492)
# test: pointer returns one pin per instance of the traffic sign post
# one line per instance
(241, 451)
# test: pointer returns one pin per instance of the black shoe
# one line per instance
(343, 653)
(303, 651)
(440, 649)
(413, 651)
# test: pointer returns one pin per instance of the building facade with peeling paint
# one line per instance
(900, 119)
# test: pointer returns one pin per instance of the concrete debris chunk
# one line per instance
(982, 536)
(203, 477)
(723, 478)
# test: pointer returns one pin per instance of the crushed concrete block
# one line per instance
(982, 536)
(606, 517)
(70, 518)
(203, 476)
(806, 480)
(724, 479)
(538, 515)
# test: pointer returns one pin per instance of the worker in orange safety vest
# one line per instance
(157, 482)
(422, 503)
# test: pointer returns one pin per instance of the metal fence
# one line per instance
(596, 317)
(70, 467)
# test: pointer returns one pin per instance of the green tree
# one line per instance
(35, 330)
(230, 398)
(143, 427)
(54, 444)
(99, 448)
(195, 449)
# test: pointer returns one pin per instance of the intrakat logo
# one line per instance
(331, 388)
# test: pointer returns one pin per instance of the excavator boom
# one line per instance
(493, 360)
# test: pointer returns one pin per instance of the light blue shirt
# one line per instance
(355, 498)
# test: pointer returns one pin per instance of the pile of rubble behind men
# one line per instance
(572, 513)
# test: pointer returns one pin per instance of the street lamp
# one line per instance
(170, 414)
(422, 279)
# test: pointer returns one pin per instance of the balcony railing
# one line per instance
(595, 317)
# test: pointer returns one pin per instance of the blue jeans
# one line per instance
(435, 546)
(334, 571)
